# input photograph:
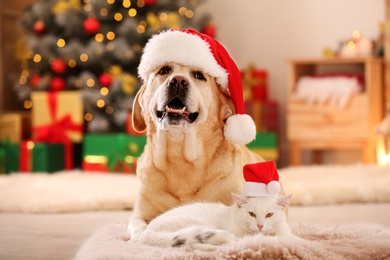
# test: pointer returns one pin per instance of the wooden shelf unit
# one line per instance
(324, 127)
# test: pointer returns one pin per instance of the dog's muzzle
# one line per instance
(176, 110)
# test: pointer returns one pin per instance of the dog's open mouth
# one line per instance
(176, 110)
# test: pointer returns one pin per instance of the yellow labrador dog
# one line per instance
(187, 157)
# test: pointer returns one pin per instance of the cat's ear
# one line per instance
(239, 199)
(283, 200)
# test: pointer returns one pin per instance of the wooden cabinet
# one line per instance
(324, 127)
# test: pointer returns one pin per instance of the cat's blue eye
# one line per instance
(269, 215)
(252, 214)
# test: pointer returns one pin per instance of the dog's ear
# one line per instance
(137, 115)
(229, 108)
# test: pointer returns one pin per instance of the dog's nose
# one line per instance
(178, 82)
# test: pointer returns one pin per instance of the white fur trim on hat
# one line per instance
(258, 189)
(183, 48)
(240, 129)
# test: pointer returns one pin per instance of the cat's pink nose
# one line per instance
(260, 226)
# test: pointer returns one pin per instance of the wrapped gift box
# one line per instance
(259, 93)
(57, 115)
(264, 114)
(265, 145)
(112, 152)
(15, 126)
(2, 157)
(255, 83)
(29, 157)
(269, 116)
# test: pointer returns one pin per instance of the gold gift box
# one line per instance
(67, 103)
(15, 126)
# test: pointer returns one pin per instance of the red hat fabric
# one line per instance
(192, 48)
(224, 60)
(261, 180)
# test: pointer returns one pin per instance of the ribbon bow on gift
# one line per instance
(249, 81)
(124, 159)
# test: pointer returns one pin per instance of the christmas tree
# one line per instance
(94, 46)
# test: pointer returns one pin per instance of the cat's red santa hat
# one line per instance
(192, 48)
(261, 180)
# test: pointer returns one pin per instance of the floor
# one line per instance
(58, 236)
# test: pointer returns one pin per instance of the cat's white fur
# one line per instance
(206, 225)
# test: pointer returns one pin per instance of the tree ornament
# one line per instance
(39, 27)
(34, 80)
(209, 30)
(149, 2)
(105, 79)
(57, 84)
(58, 66)
(91, 25)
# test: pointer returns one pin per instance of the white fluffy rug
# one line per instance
(66, 192)
(364, 241)
(82, 191)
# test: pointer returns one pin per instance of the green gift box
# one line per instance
(112, 152)
(265, 145)
(264, 140)
(35, 157)
(2, 158)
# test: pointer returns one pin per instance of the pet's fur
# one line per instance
(184, 161)
(205, 226)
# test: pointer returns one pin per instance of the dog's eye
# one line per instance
(164, 71)
(199, 75)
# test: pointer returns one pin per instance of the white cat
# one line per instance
(206, 225)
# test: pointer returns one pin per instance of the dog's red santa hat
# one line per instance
(261, 180)
(189, 47)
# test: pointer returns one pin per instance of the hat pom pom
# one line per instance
(273, 187)
(240, 129)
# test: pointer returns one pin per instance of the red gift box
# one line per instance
(269, 116)
(264, 114)
(255, 83)
(259, 93)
